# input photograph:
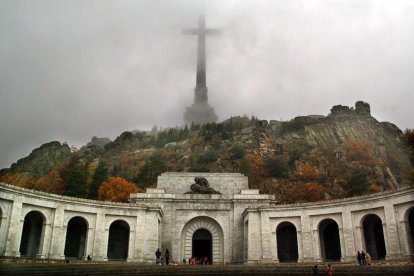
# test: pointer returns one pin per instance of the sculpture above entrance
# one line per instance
(201, 186)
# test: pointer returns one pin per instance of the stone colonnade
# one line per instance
(381, 224)
(36, 225)
(36, 222)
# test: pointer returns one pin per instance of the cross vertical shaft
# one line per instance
(200, 111)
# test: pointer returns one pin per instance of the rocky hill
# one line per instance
(345, 153)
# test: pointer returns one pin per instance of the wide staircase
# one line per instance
(61, 268)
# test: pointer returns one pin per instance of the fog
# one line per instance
(70, 70)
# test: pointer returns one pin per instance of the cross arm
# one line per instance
(190, 31)
(213, 32)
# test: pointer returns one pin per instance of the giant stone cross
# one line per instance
(200, 112)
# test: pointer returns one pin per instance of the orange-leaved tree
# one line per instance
(116, 189)
(50, 183)
(306, 172)
(23, 180)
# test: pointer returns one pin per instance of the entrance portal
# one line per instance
(76, 238)
(374, 237)
(411, 229)
(32, 234)
(118, 240)
(329, 240)
(202, 245)
(287, 242)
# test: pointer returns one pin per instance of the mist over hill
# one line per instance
(315, 157)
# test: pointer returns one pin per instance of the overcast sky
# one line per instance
(70, 70)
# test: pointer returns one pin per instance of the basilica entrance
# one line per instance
(203, 237)
(202, 244)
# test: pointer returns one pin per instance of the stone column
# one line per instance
(4, 227)
(349, 251)
(358, 236)
(391, 234)
(307, 241)
(89, 241)
(58, 236)
(131, 246)
(254, 250)
(300, 243)
(274, 248)
(316, 245)
(45, 241)
(101, 241)
(266, 238)
(342, 242)
(139, 236)
(405, 240)
(15, 229)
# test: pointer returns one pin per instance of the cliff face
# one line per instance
(41, 160)
(345, 140)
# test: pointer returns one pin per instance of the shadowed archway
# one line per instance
(202, 244)
(374, 237)
(76, 236)
(287, 242)
(411, 228)
(118, 240)
(32, 234)
(330, 243)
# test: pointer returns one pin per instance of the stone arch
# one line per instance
(287, 242)
(217, 239)
(32, 234)
(118, 240)
(2, 211)
(76, 237)
(409, 218)
(373, 236)
(329, 240)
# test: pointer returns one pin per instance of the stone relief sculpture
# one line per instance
(201, 186)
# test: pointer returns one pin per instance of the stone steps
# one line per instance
(85, 268)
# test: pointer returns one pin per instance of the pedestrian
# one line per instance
(89, 258)
(158, 257)
(359, 258)
(315, 270)
(329, 271)
(368, 257)
(167, 256)
(363, 258)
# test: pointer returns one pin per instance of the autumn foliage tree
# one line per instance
(50, 183)
(18, 179)
(409, 141)
(116, 189)
(306, 172)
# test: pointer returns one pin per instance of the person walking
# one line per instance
(167, 256)
(329, 271)
(158, 257)
(315, 270)
(359, 258)
(368, 257)
(363, 258)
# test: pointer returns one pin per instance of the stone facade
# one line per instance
(239, 225)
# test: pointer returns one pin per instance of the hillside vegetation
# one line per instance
(309, 158)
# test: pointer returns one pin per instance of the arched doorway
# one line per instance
(211, 228)
(118, 240)
(411, 228)
(202, 244)
(374, 237)
(330, 243)
(76, 235)
(287, 242)
(32, 234)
